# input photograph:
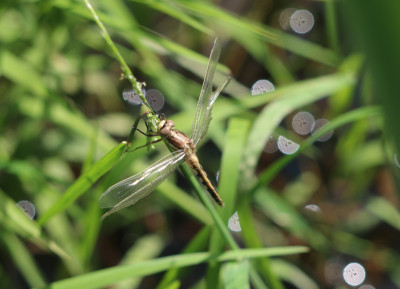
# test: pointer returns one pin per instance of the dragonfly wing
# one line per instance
(206, 121)
(202, 116)
(129, 191)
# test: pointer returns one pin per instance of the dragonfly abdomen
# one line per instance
(194, 163)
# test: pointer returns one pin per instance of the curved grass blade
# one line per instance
(236, 275)
(239, 27)
(102, 278)
(351, 116)
(269, 118)
(23, 259)
(84, 182)
(12, 219)
(136, 85)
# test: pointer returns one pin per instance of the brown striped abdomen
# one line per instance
(194, 163)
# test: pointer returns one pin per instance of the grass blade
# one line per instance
(84, 182)
(236, 275)
(272, 115)
(101, 278)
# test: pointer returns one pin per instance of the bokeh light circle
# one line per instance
(302, 21)
(28, 208)
(262, 86)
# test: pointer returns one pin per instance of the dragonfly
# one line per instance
(127, 192)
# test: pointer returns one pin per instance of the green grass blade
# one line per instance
(145, 248)
(197, 244)
(236, 137)
(349, 117)
(377, 39)
(302, 92)
(252, 240)
(90, 236)
(236, 275)
(331, 24)
(219, 223)
(385, 211)
(291, 99)
(239, 25)
(262, 252)
(58, 113)
(84, 182)
(256, 280)
(293, 275)
(20, 72)
(23, 260)
(227, 186)
(186, 202)
(18, 222)
(88, 162)
(277, 208)
(136, 85)
(101, 278)
(176, 12)
(15, 221)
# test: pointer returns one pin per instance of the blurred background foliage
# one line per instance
(62, 116)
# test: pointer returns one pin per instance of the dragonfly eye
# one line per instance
(170, 123)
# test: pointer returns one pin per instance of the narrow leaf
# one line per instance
(84, 182)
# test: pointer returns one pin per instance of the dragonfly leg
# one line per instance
(132, 133)
(145, 134)
(148, 144)
(135, 128)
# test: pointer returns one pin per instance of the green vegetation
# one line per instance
(62, 119)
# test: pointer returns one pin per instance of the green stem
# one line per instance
(136, 85)
(209, 206)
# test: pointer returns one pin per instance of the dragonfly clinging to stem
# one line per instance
(129, 191)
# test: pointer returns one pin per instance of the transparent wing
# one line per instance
(206, 121)
(129, 191)
(202, 116)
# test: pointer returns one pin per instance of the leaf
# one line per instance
(236, 275)
(385, 211)
(289, 99)
(14, 220)
(21, 73)
(105, 277)
(84, 182)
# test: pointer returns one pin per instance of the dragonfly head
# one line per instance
(165, 127)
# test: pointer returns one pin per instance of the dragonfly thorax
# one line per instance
(165, 127)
